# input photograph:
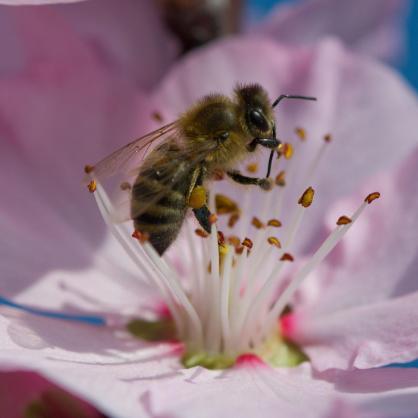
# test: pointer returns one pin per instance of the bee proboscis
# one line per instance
(212, 136)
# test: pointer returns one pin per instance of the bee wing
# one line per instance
(129, 155)
(173, 159)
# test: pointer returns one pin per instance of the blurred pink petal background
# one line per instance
(71, 98)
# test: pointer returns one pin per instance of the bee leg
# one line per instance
(264, 183)
(202, 215)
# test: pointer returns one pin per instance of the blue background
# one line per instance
(408, 66)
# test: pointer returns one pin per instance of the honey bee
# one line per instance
(213, 136)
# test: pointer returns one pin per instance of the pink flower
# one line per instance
(353, 313)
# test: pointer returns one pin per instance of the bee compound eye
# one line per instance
(223, 136)
(258, 120)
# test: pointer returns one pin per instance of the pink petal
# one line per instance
(378, 259)
(361, 337)
(128, 38)
(372, 26)
(64, 111)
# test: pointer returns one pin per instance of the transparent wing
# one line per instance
(130, 155)
(162, 155)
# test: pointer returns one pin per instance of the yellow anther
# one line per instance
(88, 168)
(307, 197)
(344, 220)
(275, 223)
(225, 205)
(287, 257)
(197, 197)
(301, 133)
(372, 196)
(281, 179)
(274, 241)
(257, 223)
(328, 138)
(252, 167)
(92, 186)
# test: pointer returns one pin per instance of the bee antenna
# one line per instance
(289, 96)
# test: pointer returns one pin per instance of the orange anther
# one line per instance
(287, 257)
(88, 168)
(92, 186)
(301, 133)
(281, 179)
(257, 223)
(328, 138)
(212, 218)
(372, 196)
(344, 220)
(307, 197)
(247, 243)
(274, 241)
(274, 222)
(140, 236)
(225, 205)
(201, 233)
(233, 220)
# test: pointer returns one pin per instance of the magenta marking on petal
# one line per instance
(249, 360)
(87, 319)
(287, 325)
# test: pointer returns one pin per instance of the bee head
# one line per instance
(256, 114)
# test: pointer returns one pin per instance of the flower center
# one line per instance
(235, 290)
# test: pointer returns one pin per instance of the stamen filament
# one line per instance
(327, 246)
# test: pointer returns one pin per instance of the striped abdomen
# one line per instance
(159, 209)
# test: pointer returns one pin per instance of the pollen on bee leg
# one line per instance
(307, 197)
(92, 186)
(301, 133)
(280, 179)
(197, 197)
(257, 223)
(140, 236)
(344, 220)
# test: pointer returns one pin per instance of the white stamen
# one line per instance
(227, 306)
